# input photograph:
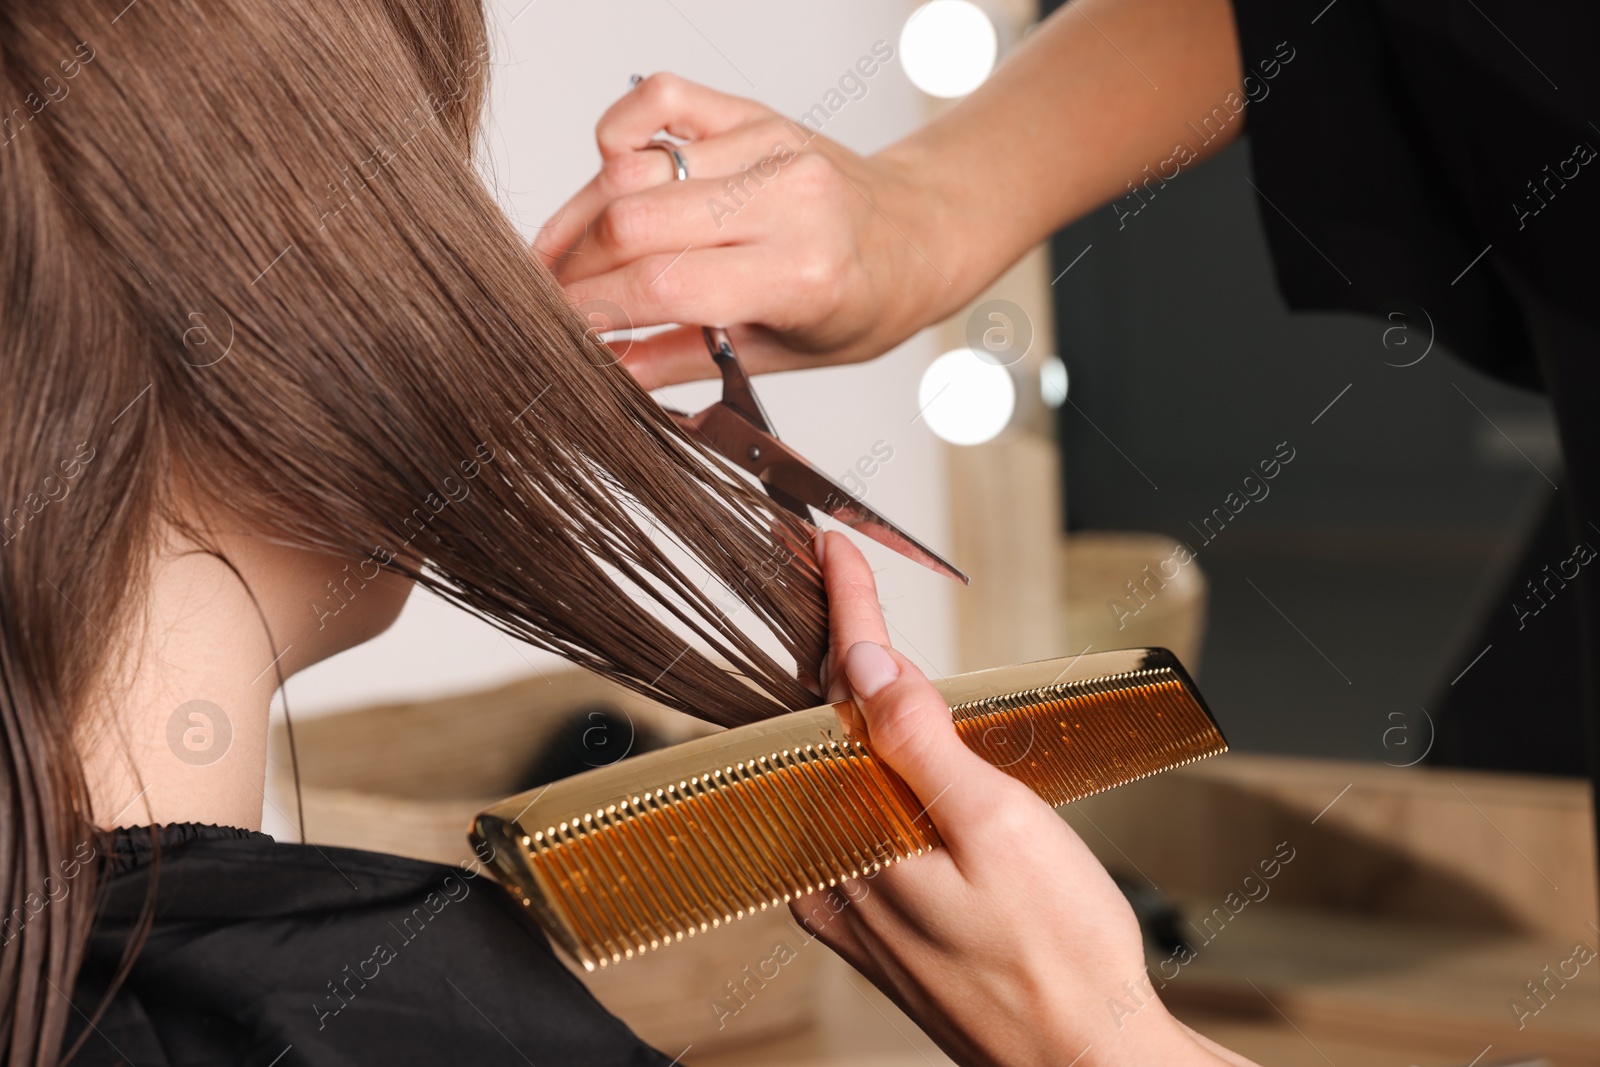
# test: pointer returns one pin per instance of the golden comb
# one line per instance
(632, 856)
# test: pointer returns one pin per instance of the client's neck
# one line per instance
(179, 734)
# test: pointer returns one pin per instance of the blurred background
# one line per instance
(1099, 409)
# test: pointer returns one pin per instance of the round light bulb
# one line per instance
(948, 47)
(965, 399)
(1053, 382)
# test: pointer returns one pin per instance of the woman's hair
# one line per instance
(244, 246)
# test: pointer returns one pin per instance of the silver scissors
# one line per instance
(737, 428)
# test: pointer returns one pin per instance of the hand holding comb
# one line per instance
(636, 855)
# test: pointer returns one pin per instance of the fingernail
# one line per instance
(819, 544)
(869, 667)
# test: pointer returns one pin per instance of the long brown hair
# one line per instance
(246, 242)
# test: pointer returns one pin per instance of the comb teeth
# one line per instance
(1067, 742)
(706, 851)
(631, 857)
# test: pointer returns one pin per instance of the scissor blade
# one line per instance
(737, 391)
(789, 502)
(863, 519)
(728, 433)
(784, 471)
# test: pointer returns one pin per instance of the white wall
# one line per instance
(557, 65)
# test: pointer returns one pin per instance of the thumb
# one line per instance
(909, 728)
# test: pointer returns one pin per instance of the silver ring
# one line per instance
(679, 166)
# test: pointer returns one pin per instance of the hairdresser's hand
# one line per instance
(1009, 944)
(802, 245)
(825, 256)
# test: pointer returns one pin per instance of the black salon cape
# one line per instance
(274, 954)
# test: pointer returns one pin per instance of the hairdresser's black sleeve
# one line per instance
(1437, 160)
(1395, 142)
